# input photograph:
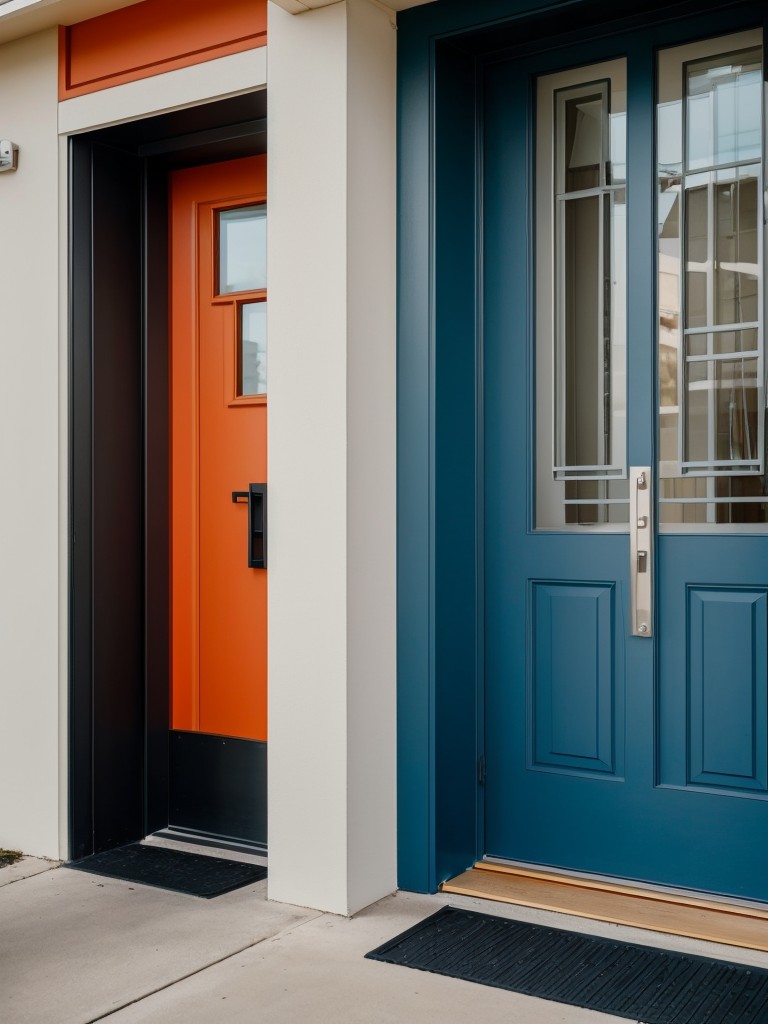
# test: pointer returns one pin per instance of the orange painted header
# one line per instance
(155, 36)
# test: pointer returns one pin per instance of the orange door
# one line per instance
(218, 447)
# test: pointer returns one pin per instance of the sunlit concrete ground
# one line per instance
(76, 948)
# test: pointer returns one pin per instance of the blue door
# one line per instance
(625, 496)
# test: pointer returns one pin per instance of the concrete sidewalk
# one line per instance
(77, 948)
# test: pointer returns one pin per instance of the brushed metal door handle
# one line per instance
(641, 549)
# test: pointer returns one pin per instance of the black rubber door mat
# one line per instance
(638, 982)
(192, 873)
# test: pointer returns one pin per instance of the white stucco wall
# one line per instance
(20, 18)
(371, 455)
(29, 450)
(332, 456)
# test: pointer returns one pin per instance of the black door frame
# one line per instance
(119, 503)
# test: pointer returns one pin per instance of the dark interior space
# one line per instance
(119, 463)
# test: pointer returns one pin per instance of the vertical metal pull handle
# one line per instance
(257, 526)
(257, 523)
(641, 549)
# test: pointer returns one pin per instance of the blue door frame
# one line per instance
(440, 398)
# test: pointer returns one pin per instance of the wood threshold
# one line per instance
(695, 917)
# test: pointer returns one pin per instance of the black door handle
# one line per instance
(256, 495)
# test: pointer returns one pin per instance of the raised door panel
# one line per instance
(727, 681)
(573, 705)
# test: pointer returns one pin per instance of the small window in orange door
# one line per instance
(242, 264)
(252, 349)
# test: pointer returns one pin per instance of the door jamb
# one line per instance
(91, 536)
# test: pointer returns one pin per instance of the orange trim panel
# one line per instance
(152, 37)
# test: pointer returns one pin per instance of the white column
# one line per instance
(29, 450)
(331, 275)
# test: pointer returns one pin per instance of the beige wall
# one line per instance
(29, 450)
(20, 18)
(371, 455)
(332, 456)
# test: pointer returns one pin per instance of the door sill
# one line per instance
(672, 912)
(186, 835)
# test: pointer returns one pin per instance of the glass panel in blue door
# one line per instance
(581, 299)
(712, 408)
(588, 263)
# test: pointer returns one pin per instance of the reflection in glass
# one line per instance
(721, 420)
(590, 294)
(617, 169)
(736, 230)
(252, 361)
(581, 257)
(696, 248)
(724, 109)
(594, 502)
(585, 437)
(711, 352)
(242, 249)
(583, 157)
(722, 343)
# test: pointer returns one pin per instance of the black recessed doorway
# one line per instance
(120, 745)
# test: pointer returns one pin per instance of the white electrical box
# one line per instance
(9, 155)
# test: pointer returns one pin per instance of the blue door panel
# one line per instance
(572, 698)
(639, 758)
(685, 816)
(727, 723)
(712, 729)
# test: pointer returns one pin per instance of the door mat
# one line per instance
(193, 873)
(654, 986)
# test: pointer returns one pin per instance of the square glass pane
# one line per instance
(721, 343)
(242, 249)
(617, 171)
(736, 233)
(596, 502)
(722, 411)
(252, 356)
(582, 123)
(724, 109)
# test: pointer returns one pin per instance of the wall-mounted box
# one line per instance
(9, 155)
